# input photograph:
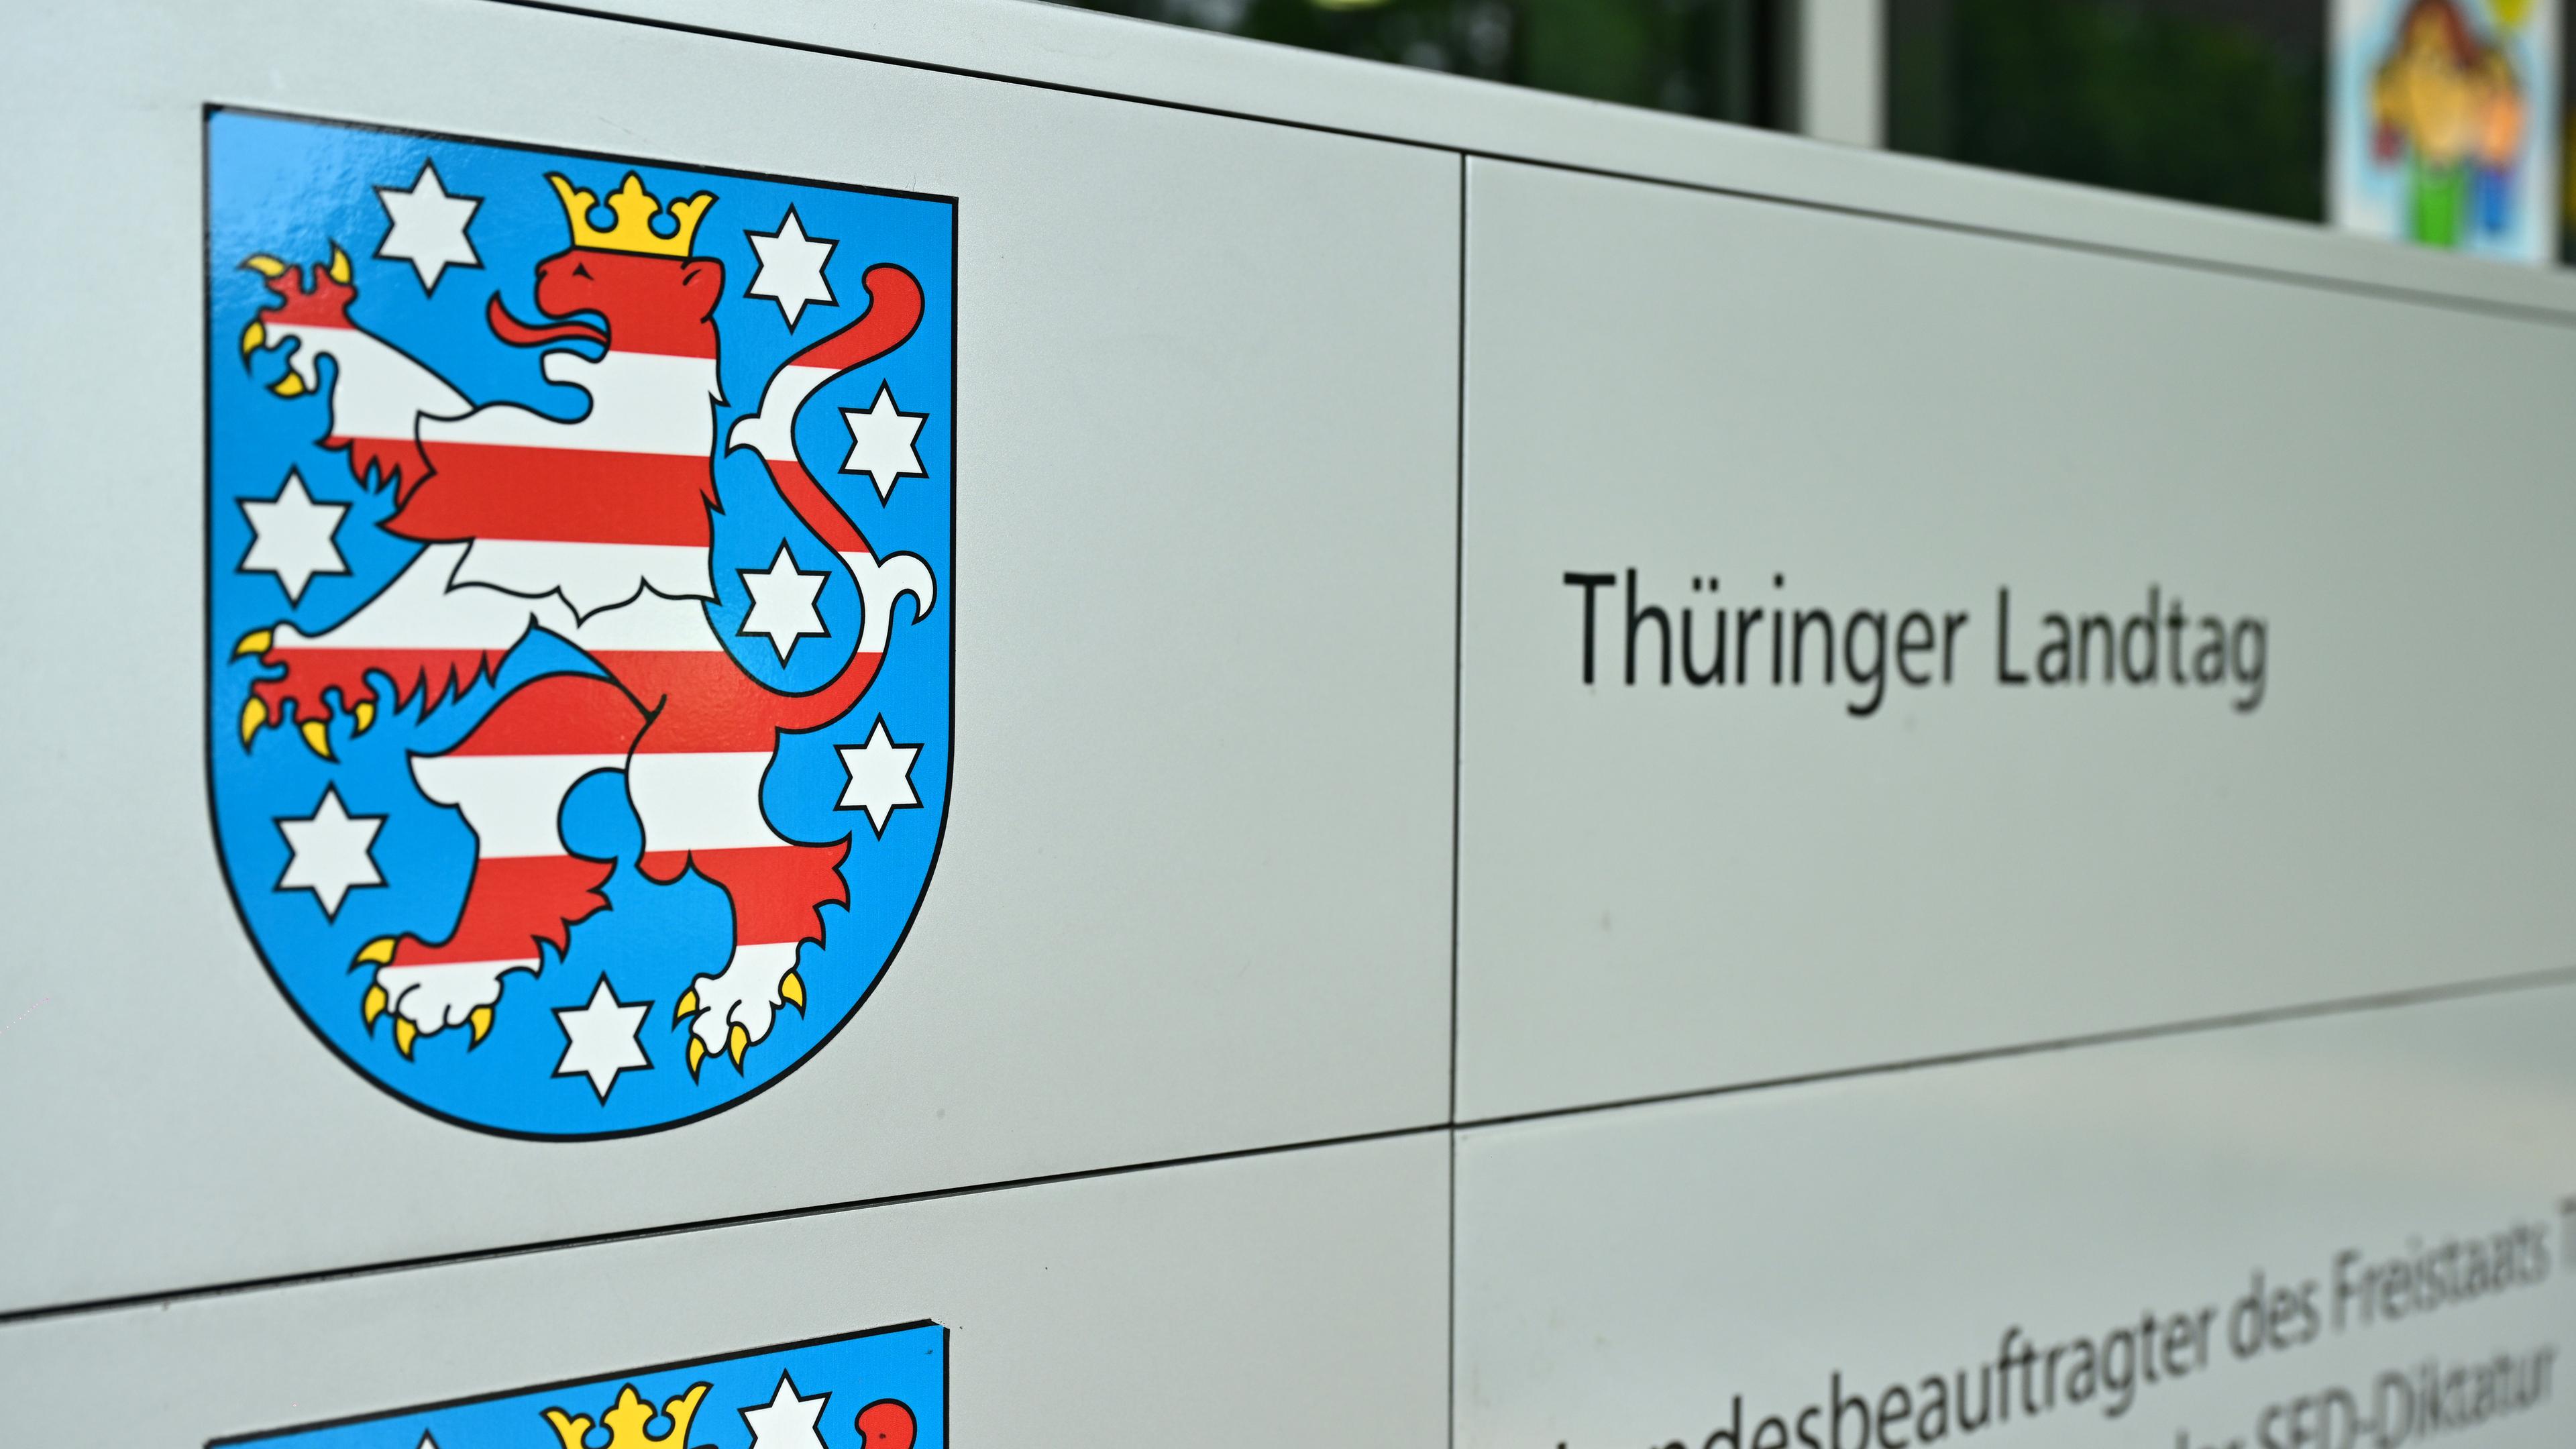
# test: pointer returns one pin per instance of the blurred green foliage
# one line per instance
(2174, 99)
(1715, 58)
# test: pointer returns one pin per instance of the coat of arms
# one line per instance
(578, 608)
(883, 1389)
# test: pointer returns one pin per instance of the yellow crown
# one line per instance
(625, 1421)
(634, 208)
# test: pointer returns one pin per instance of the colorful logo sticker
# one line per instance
(884, 1389)
(579, 602)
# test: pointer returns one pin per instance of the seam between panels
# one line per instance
(2556, 978)
(1457, 778)
(166, 1298)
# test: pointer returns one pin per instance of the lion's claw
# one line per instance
(729, 1013)
(424, 997)
(301, 693)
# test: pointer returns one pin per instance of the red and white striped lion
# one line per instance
(595, 530)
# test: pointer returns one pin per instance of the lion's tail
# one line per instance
(893, 314)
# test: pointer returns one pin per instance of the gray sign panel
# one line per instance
(2353, 1229)
(1192, 890)
(1882, 642)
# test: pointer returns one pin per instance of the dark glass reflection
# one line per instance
(1717, 58)
(2216, 101)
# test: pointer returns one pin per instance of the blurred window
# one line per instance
(1717, 58)
(2221, 102)
(2215, 101)
(2567, 142)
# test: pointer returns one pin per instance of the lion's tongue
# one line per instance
(521, 334)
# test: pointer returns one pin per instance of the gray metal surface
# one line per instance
(1193, 895)
(1254, 1301)
(1665, 888)
(1624, 1276)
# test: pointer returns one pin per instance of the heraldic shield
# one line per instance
(578, 601)
(883, 1389)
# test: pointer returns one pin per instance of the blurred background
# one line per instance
(2436, 123)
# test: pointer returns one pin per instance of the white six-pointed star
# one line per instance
(881, 440)
(428, 227)
(880, 774)
(782, 603)
(791, 267)
(291, 537)
(331, 852)
(599, 1038)
(786, 1421)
